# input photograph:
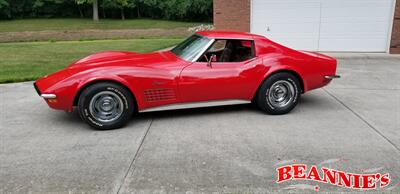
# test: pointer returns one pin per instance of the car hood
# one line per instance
(119, 58)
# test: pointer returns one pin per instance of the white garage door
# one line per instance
(325, 25)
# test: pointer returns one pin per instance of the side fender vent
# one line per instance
(159, 94)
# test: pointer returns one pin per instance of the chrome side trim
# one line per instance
(48, 96)
(332, 76)
(196, 105)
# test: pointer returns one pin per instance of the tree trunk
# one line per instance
(138, 11)
(95, 10)
(122, 14)
(80, 11)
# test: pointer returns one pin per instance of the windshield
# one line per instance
(190, 48)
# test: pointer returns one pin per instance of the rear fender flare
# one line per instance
(285, 68)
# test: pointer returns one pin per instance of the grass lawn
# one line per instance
(31, 60)
(85, 24)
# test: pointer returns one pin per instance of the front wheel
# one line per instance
(105, 105)
(279, 94)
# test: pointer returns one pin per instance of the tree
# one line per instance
(4, 9)
(179, 9)
(120, 5)
(95, 4)
(47, 7)
(189, 10)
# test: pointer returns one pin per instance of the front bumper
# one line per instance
(48, 96)
(331, 77)
(45, 96)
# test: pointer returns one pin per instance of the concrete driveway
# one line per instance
(352, 125)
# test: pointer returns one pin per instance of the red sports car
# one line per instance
(209, 68)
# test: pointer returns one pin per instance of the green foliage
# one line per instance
(179, 9)
(46, 7)
(117, 4)
(79, 2)
(189, 10)
(4, 8)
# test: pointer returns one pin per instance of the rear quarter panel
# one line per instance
(310, 66)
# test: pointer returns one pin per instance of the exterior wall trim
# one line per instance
(391, 24)
(251, 16)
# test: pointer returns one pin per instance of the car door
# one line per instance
(222, 79)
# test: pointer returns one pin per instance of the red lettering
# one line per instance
(385, 180)
(343, 178)
(284, 173)
(330, 174)
(356, 181)
(368, 181)
(298, 171)
(313, 174)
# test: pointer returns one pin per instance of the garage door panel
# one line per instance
(299, 43)
(359, 45)
(354, 25)
(290, 22)
(285, 4)
(349, 30)
(376, 10)
(305, 14)
(355, 4)
(292, 29)
(325, 25)
(363, 14)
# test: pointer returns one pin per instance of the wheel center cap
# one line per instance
(279, 92)
(107, 105)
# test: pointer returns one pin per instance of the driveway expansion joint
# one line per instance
(135, 156)
(362, 119)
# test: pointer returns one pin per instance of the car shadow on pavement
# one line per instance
(308, 100)
(198, 111)
(73, 118)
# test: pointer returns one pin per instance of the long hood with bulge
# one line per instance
(117, 58)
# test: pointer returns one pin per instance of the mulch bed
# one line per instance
(92, 34)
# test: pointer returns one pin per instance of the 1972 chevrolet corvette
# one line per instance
(209, 68)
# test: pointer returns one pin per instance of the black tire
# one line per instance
(106, 95)
(273, 88)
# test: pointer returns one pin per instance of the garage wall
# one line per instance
(232, 15)
(395, 42)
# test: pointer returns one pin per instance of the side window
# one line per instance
(218, 45)
(245, 51)
(230, 51)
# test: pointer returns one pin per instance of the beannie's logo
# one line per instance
(333, 177)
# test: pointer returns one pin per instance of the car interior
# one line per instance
(229, 51)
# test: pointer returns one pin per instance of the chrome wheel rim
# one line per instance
(281, 93)
(106, 106)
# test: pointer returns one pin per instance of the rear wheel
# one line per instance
(279, 94)
(105, 105)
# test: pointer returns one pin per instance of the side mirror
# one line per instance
(213, 58)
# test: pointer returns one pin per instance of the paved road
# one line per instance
(352, 125)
